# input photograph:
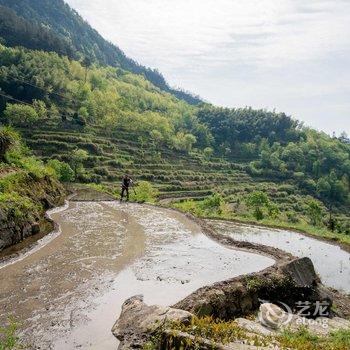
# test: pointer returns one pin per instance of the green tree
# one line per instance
(77, 158)
(189, 141)
(184, 142)
(208, 152)
(156, 138)
(273, 210)
(87, 61)
(21, 115)
(257, 201)
(292, 155)
(314, 211)
(40, 109)
(331, 188)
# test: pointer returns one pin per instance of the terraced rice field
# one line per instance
(176, 175)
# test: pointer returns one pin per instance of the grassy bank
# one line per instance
(28, 187)
(218, 208)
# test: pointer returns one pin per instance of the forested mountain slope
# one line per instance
(105, 121)
(20, 32)
(58, 19)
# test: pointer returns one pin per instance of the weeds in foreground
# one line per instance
(8, 338)
(302, 339)
(219, 331)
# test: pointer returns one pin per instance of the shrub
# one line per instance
(287, 188)
(34, 166)
(273, 210)
(62, 169)
(253, 169)
(292, 217)
(212, 202)
(8, 140)
(21, 115)
(208, 152)
(103, 171)
(144, 192)
(18, 206)
(257, 201)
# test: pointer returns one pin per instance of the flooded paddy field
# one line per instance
(68, 291)
(331, 262)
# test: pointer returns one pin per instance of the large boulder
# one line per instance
(138, 322)
(301, 271)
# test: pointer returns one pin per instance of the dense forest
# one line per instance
(17, 31)
(281, 148)
(73, 32)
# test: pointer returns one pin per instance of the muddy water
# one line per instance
(68, 291)
(331, 262)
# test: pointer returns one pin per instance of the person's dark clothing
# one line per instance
(124, 189)
(126, 183)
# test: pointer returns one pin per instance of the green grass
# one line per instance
(304, 340)
(8, 338)
(217, 331)
(224, 332)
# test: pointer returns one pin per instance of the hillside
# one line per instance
(117, 122)
(75, 37)
(27, 189)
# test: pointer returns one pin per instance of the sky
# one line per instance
(289, 55)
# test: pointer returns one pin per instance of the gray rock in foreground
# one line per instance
(285, 283)
(139, 321)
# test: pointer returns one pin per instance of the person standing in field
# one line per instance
(125, 185)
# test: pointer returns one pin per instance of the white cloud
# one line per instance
(288, 54)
